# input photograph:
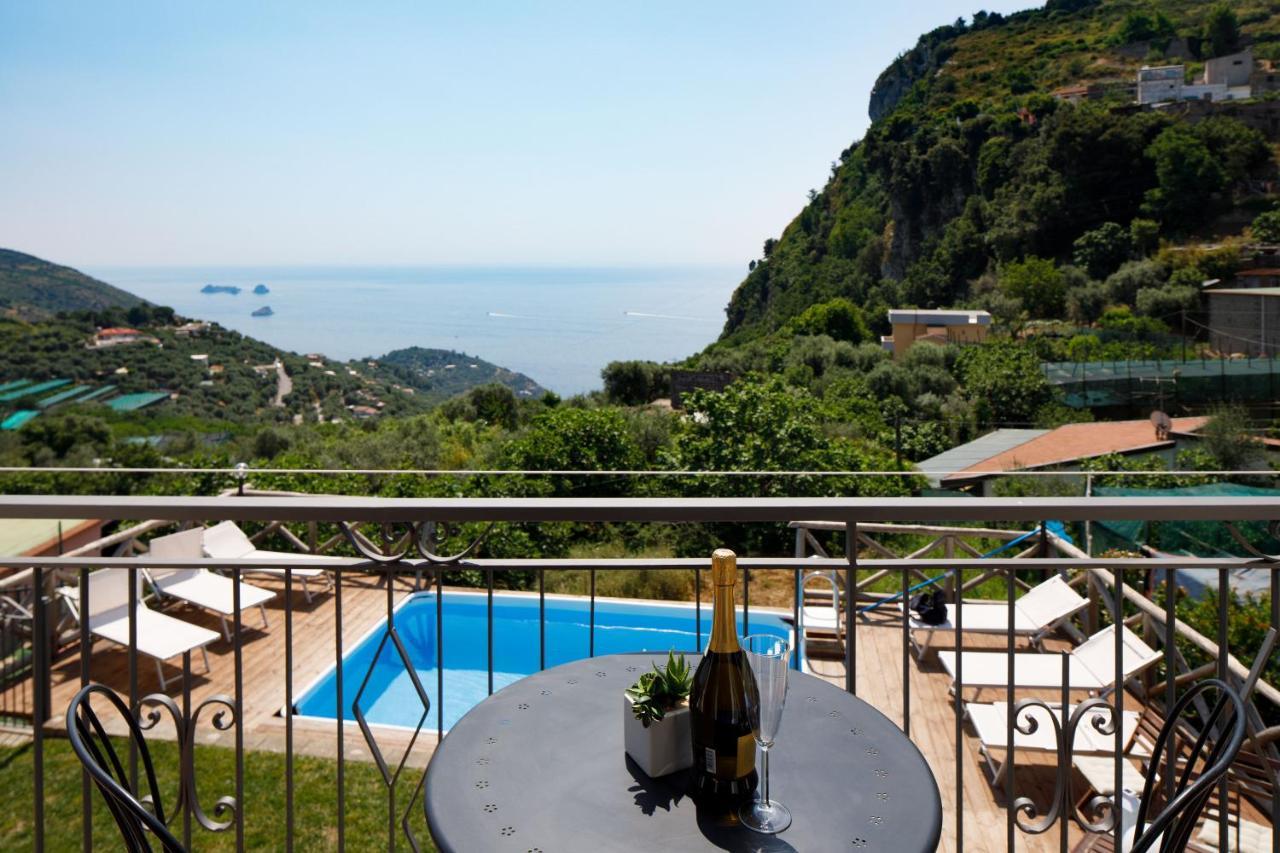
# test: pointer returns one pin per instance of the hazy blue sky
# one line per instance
(467, 132)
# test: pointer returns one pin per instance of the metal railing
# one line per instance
(397, 539)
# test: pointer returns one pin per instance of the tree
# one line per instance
(1266, 227)
(1222, 30)
(572, 439)
(1005, 382)
(495, 404)
(1144, 236)
(1103, 249)
(1085, 304)
(839, 319)
(635, 383)
(1230, 444)
(1187, 175)
(1037, 283)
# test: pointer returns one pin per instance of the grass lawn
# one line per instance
(315, 822)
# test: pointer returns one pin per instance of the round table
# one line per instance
(539, 766)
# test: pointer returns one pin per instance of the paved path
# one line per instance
(284, 385)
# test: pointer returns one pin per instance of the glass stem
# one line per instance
(765, 762)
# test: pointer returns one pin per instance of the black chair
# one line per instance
(1202, 768)
(93, 747)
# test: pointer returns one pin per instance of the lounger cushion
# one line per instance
(990, 722)
(207, 590)
(1244, 836)
(1091, 664)
(159, 636)
(1100, 772)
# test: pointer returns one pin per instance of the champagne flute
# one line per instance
(769, 657)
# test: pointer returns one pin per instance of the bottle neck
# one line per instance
(724, 631)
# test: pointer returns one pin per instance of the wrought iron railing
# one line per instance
(407, 538)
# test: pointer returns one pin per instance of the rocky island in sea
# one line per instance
(261, 289)
(264, 311)
(220, 288)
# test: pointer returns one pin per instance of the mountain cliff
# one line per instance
(977, 159)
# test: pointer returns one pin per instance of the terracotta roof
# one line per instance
(118, 331)
(1073, 442)
(1262, 271)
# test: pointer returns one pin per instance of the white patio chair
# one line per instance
(226, 541)
(158, 636)
(1091, 665)
(1036, 614)
(201, 587)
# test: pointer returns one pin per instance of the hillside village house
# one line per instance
(976, 466)
(911, 325)
(116, 336)
(1226, 78)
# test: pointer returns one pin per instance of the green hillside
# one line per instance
(31, 288)
(972, 167)
(440, 373)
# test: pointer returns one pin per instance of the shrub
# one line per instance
(1086, 304)
(1162, 302)
(1266, 227)
(1123, 285)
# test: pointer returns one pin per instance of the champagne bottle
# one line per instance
(723, 701)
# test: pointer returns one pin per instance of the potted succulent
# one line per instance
(656, 718)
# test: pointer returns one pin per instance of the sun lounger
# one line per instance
(201, 587)
(226, 541)
(158, 636)
(1035, 615)
(1091, 665)
(990, 722)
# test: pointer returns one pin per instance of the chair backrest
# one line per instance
(109, 594)
(91, 744)
(1098, 654)
(1207, 762)
(1047, 602)
(184, 545)
(226, 541)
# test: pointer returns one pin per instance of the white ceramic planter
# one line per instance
(664, 747)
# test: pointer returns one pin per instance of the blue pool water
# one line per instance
(390, 697)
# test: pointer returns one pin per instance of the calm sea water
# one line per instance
(559, 326)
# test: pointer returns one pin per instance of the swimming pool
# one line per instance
(390, 698)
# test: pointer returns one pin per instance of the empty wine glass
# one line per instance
(768, 657)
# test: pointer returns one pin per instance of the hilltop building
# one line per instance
(116, 336)
(911, 325)
(1226, 78)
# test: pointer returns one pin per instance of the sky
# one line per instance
(248, 133)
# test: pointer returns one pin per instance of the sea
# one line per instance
(558, 325)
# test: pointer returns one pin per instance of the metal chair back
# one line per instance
(1206, 764)
(138, 824)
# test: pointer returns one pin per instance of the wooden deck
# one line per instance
(879, 681)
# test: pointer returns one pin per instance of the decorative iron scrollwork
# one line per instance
(396, 539)
(1102, 716)
(149, 715)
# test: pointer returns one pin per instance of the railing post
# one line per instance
(850, 597)
(41, 701)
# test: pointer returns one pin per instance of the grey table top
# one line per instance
(539, 766)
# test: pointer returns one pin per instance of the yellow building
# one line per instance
(935, 326)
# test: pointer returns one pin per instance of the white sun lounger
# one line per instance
(1035, 615)
(158, 636)
(990, 722)
(201, 587)
(226, 541)
(1091, 665)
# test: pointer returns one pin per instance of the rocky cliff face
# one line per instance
(896, 81)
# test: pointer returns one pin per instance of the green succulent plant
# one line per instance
(657, 692)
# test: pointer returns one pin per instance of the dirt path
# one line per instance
(284, 385)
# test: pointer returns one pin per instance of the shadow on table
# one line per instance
(719, 828)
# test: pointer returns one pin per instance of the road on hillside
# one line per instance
(284, 385)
